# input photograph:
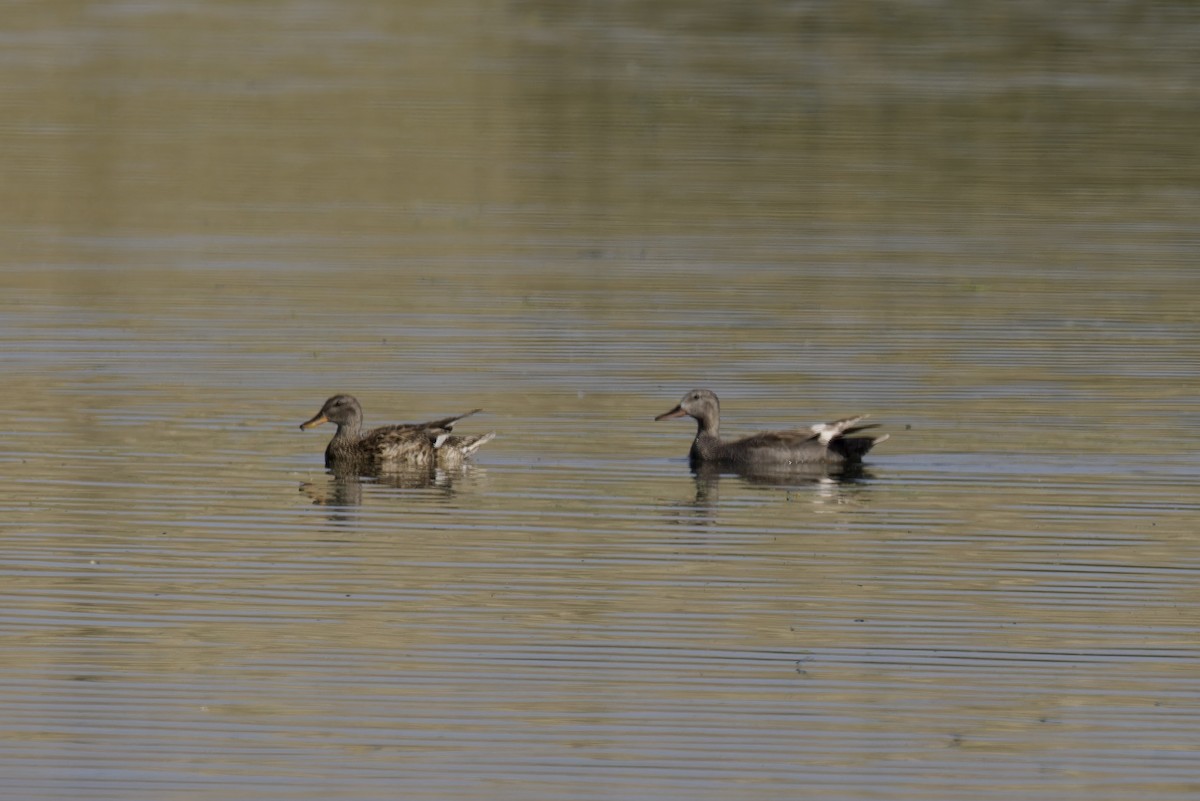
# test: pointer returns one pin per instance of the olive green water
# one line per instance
(977, 222)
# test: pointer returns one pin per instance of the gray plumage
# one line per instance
(828, 444)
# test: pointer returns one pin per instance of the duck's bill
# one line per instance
(316, 421)
(676, 412)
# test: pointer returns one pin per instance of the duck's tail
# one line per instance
(448, 422)
(827, 432)
(470, 443)
(837, 436)
(455, 449)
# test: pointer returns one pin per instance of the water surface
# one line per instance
(976, 224)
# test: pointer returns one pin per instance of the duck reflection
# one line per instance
(344, 488)
(828, 483)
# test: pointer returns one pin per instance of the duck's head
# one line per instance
(340, 409)
(701, 404)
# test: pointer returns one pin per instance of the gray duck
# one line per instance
(407, 444)
(819, 445)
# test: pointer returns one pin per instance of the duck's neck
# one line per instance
(708, 426)
(707, 440)
(348, 431)
(341, 449)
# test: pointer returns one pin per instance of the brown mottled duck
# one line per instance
(407, 444)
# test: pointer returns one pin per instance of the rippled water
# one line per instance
(978, 226)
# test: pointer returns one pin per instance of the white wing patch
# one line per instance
(828, 431)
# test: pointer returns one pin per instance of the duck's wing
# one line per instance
(826, 432)
(837, 436)
(822, 433)
(429, 430)
(856, 429)
(415, 441)
(438, 433)
(453, 450)
(444, 424)
(775, 440)
(407, 442)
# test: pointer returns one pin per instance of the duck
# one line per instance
(819, 445)
(429, 444)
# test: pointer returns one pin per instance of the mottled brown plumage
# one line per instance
(821, 444)
(413, 444)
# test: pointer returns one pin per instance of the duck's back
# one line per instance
(774, 449)
(402, 443)
(399, 443)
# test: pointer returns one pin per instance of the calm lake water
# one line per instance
(977, 222)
